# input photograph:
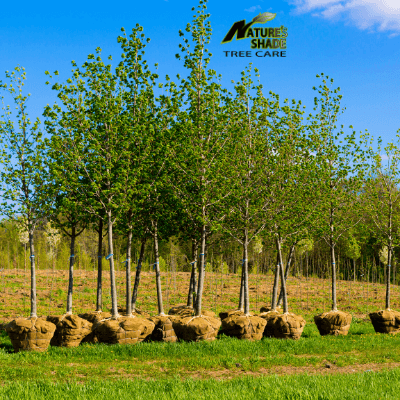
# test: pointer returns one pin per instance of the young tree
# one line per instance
(202, 130)
(252, 172)
(92, 134)
(23, 186)
(293, 207)
(23, 174)
(142, 113)
(342, 168)
(382, 202)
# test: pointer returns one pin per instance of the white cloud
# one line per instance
(253, 8)
(382, 15)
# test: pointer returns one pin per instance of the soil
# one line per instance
(325, 368)
(307, 297)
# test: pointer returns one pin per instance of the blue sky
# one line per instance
(357, 42)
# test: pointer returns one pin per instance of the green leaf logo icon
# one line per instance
(263, 17)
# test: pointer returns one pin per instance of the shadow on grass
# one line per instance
(5, 343)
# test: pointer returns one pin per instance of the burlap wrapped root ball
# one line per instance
(386, 321)
(225, 314)
(182, 310)
(30, 334)
(195, 329)
(186, 311)
(70, 330)
(94, 317)
(287, 326)
(123, 330)
(265, 309)
(333, 323)
(163, 330)
(136, 312)
(242, 326)
(268, 317)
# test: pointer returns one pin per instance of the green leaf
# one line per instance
(263, 17)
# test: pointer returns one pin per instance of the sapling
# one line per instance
(26, 193)
(381, 203)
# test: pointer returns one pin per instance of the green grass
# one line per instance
(224, 369)
(226, 356)
(382, 385)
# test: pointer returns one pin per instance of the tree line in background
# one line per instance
(360, 256)
(118, 173)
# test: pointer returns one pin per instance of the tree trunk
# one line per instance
(246, 273)
(114, 305)
(334, 302)
(128, 274)
(33, 277)
(201, 271)
(333, 261)
(24, 256)
(192, 286)
(71, 271)
(283, 281)
(354, 269)
(289, 260)
(99, 299)
(241, 294)
(389, 255)
(158, 275)
(276, 283)
(388, 278)
(137, 275)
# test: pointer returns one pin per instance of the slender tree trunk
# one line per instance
(128, 274)
(114, 305)
(194, 283)
(334, 302)
(158, 275)
(283, 281)
(289, 260)
(354, 269)
(246, 272)
(201, 271)
(333, 260)
(99, 299)
(241, 294)
(71, 270)
(192, 286)
(137, 275)
(388, 279)
(33, 277)
(275, 287)
(24, 256)
(389, 262)
(189, 301)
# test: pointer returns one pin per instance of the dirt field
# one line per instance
(306, 296)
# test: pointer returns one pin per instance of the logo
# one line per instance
(261, 38)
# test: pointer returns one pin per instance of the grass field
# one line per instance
(362, 365)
